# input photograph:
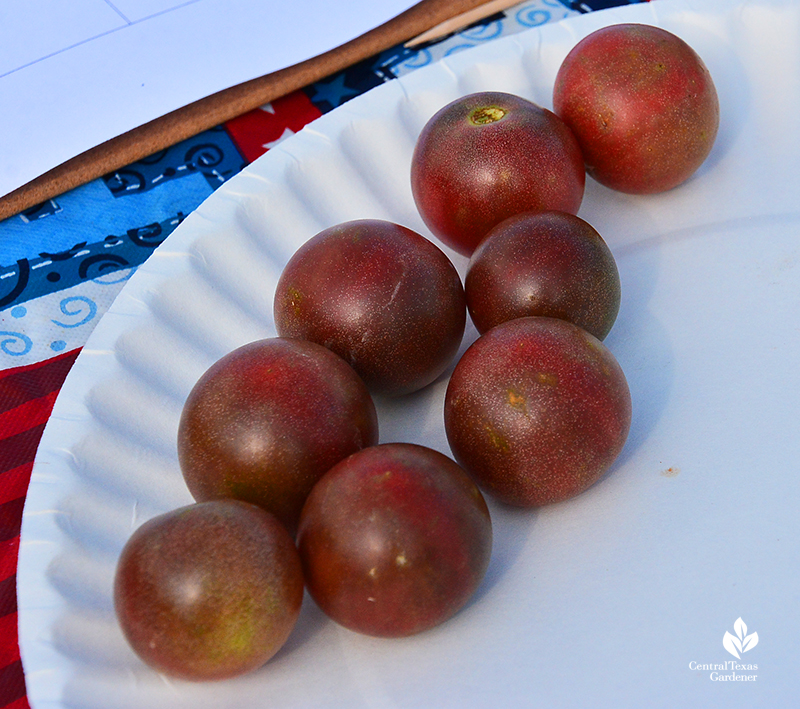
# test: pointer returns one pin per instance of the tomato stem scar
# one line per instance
(486, 114)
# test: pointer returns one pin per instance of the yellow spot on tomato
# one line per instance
(547, 378)
(497, 440)
(295, 298)
(486, 114)
(516, 400)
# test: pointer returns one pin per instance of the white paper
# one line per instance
(74, 73)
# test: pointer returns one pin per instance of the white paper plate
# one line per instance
(603, 601)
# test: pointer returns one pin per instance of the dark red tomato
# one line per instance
(488, 156)
(208, 591)
(268, 420)
(537, 410)
(544, 263)
(381, 296)
(394, 540)
(641, 104)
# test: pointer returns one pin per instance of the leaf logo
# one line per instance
(741, 642)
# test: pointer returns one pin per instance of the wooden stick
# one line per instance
(188, 121)
(459, 22)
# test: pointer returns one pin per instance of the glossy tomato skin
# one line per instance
(209, 591)
(488, 156)
(381, 296)
(642, 105)
(552, 264)
(266, 421)
(536, 411)
(394, 540)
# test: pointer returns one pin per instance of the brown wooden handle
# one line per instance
(222, 106)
